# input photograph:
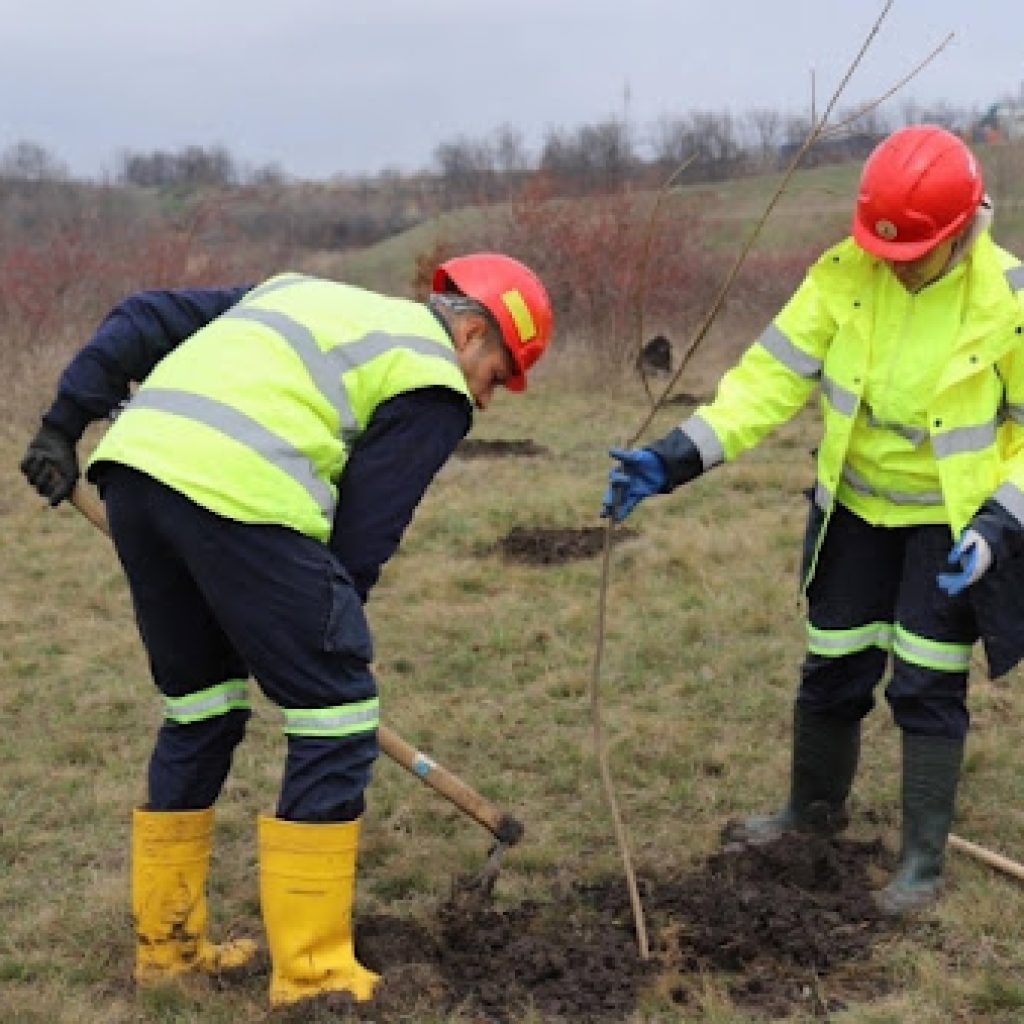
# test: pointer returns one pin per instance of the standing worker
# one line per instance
(913, 330)
(262, 473)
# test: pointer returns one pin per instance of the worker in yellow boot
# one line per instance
(255, 483)
(307, 878)
(170, 860)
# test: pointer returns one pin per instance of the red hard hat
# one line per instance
(514, 296)
(919, 187)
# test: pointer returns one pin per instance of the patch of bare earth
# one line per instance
(783, 928)
(476, 448)
(556, 545)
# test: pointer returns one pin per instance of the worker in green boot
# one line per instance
(912, 330)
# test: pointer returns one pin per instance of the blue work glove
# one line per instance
(641, 474)
(974, 556)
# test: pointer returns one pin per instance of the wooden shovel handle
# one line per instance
(995, 860)
(504, 827)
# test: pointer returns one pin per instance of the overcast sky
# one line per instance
(347, 86)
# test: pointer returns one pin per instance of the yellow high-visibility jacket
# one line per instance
(973, 422)
(254, 415)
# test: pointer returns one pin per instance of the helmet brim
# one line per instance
(898, 252)
(516, 381)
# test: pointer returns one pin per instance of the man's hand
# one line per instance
(50, 464)
(973, 554)
(641, 474)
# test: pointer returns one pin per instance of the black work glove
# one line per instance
(1000, 528)
(680, 457)
(50, 464)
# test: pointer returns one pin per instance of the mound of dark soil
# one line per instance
(553, 546)
(792, 922)
(784, 928)
(476, 448)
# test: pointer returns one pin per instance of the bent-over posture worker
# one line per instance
(262, 473)
(913, 330)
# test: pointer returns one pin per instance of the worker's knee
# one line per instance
(929, 702)
(325, 777)
(191, 761)
(840, 687)
(930, 717)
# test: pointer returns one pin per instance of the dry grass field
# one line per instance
(485, 663)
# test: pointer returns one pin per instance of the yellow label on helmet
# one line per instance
(516, 305)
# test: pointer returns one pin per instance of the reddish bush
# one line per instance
(611, 273)
(70, 271)
(768, 279)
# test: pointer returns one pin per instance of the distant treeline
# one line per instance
(593, 158)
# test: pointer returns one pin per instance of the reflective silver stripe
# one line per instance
(208, 703)
(706, 441)
(243, 429)
(934, 654)
(356, 353)
(793, 358)
(841, 399)
(857, 482)
(363, 716)
(833, 643)
(326, 368)
(1015, 411)
(964, 439)
(915, 435)
(822, 496)
(1015, 277)
(326, 376)
(1011, 498)
(276, 284)
(861, 486)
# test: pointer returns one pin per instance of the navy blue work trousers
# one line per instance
(886, 575)
(218, 600)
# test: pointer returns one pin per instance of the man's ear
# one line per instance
(469, 327)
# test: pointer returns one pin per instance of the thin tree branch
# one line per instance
(812, 136)
(836, 128)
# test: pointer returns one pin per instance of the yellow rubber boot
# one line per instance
(170, 862)
(307, 879)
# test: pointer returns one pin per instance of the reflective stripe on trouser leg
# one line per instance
(940, 655)
(346, 720)
(330, 759)
(203, 704)
(836, 643)
(928, 689)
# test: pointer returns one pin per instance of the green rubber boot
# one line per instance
(931, 771)
(825, 754)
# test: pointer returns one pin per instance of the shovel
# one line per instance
(506, 829)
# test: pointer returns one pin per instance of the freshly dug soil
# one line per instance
(475, 448)
(783, 928)
(553, 546)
